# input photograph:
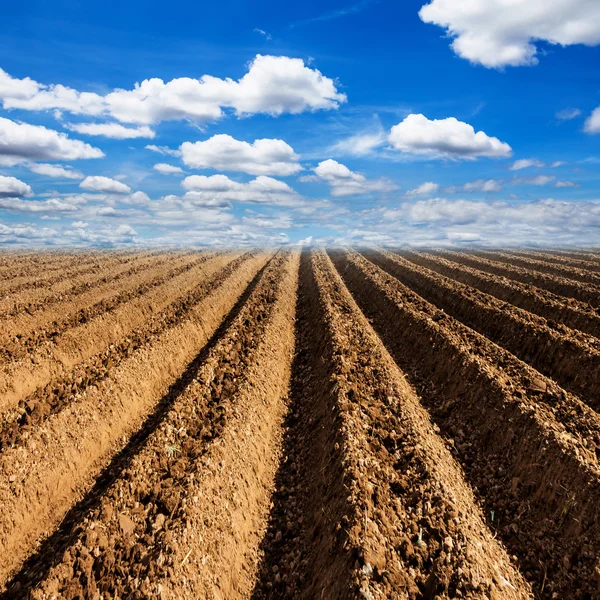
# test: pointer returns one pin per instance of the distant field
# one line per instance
(282, 424)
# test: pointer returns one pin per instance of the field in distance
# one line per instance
(326, 423)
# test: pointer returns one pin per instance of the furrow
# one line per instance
(41, 480)
(542, 266)
(370, 503)
(557, 285)
(40, 298)
(54, 396)
(569, 357)
(573, 313)
(23, 333)
(73, 267)
(64, 347)
(579, 262)
(529, 448)
(228, 414)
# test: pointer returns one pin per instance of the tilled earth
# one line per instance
(333, 424)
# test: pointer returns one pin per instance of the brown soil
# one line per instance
(580, 261)
(543, 266)
(41, 479)
(568, 356)
(262, 426)
(529, 448)
(573, 313)
(555, 284)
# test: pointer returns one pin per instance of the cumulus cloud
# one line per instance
(503, 32)
(273, 85)
(98, 183)
(53, 205)
(448, 138)
(225, 153)
(166, 169)
(58, 171)
(568, 114)
(13, 187)
(220, 190)
(344, 182)
(425, 189)
(115, 131)
(22, 142)
(479, 185)
(592, 123)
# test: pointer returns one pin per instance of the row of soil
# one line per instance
(543, 266)
(53, 397)
(568, 356)
(554, 308)
(62, 272)
(580, 261)
(528, 448)
(23, 266)
(62, 352)
(557, 285)
(369, 501)
(21, 334)
(31, 301)
(592, 255)
(63, 458)
(16, 263)
(185, 508)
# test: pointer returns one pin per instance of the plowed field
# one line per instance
(324, 424)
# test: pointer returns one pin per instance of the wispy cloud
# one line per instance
(264, 33)
(336, 14)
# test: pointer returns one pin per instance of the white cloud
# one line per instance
(163, 150)
(566, 184)
(166, 169)
(112, 130)
(557, 163)
(499, 33)
(273, 85)
(525, 163)
(98, 183)
(479, 185)
(11, 187)
(38, 206)
(21, 142)
(344, 182)
(219, 190)
(592, 123)
(225, 153)
(425, 189)
(539, 180)
(568, 113)
(125, 230)
(264, 33)
(448, 138)
(54, 171)
(360, 144)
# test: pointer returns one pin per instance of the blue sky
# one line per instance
(430, 124)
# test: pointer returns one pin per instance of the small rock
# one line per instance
(159, 522)
(538, 385)
(126, 524)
